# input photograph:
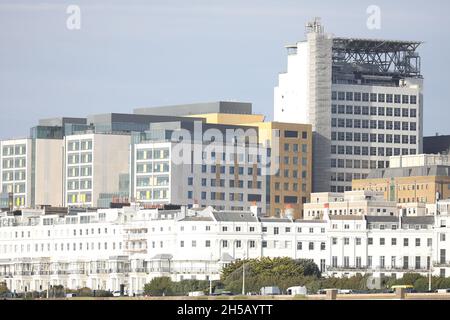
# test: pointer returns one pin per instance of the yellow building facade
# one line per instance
(291, 145)
(421, 189)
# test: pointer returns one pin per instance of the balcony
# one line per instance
(6, 274)
(136, 237)
(377, 269)
(347, 269)
(442, 264)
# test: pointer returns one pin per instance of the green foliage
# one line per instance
(159, 287)
(164, 285)
(263, 272)
(3, 288)
(420, 283)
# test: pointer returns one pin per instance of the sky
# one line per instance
(143, 53)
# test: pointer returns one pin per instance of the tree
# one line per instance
(3, 288)
(280, 272)
(159, 287)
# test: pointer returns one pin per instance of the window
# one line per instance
(358, 241)
(334, 263)
(394, 241)
(346, 241)
(417, 242)
(311, 246)
(382, 241)
(322, 246)
(405, 242)
(370, 241)
(299, 245)
(382, 262)
(418, 263)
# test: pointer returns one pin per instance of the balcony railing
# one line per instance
(442, 264)
(376, 269)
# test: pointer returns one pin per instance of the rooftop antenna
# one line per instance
(315, 26)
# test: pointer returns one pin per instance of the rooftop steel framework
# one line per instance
(387, 56)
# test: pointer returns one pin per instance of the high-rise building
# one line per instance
(93, 164)
(165, 170)
(290, 144)
(16, 171)
(363, 98)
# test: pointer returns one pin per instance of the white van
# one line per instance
(196, 294)
(443, 291)
(345, 291)
(294, 291)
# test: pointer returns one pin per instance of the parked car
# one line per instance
(443, 290)
(345, 291)
(294, 291)
(196, 294)
(116, 294)
(270, 291)
(321, 291)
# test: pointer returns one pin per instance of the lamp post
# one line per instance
(243, 276)
(210, 275)
(430, 271)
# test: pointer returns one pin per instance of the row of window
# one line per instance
(79, 185)
(294, 147)
(61, 247)
(158, 194)
(374, 111)
(77, 158)
(231, 170)
(373, 124)
(275, 230)
(347, 177)
(358, 164)
(157, 167)
(14, 188)
(75, 232)
(366, 151)
(382, 241)
(291, 173)
(395, 262)
(73, 172)
(82, 145)
(294, 160)
(231, 183)
(373, 97)
(374, 138)
(290, 186)
(14, 175)
(14, 163)
(149, 154)
(85, 197)
(17, 150)
(295, 134)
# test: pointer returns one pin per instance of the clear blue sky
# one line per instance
(135, 53)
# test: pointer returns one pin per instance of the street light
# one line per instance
(210, 275)
(430, 268)
(243, 276)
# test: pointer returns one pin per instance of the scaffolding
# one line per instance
(379, 57)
